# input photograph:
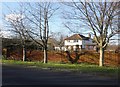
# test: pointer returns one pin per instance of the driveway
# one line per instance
(21, 75)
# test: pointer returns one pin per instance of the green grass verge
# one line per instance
(83, 67)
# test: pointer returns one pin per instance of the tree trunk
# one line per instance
(45, 55)
(24, 53)
(101, 61)
(69, 57)
(7, 53)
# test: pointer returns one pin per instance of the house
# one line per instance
(113, 47)
(52, 44)
(79, 41)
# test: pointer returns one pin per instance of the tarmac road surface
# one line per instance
(21, 75)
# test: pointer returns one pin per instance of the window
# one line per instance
(75, 40)
(68, 40)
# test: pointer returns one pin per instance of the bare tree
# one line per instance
(39, 14)
(99, 17)
(0, 32)
(16, 21)
(59, 37)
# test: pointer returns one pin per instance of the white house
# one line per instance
(80, 42)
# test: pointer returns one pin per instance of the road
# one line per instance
(21, 75)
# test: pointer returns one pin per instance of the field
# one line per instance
(111, 58)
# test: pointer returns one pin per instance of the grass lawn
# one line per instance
(83, 67)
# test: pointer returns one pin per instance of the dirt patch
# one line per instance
(111, 58)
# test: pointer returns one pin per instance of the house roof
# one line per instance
(77, 37)
(52, 41)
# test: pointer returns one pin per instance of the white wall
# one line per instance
(80, 42)
(72, 43)
(58, 48)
